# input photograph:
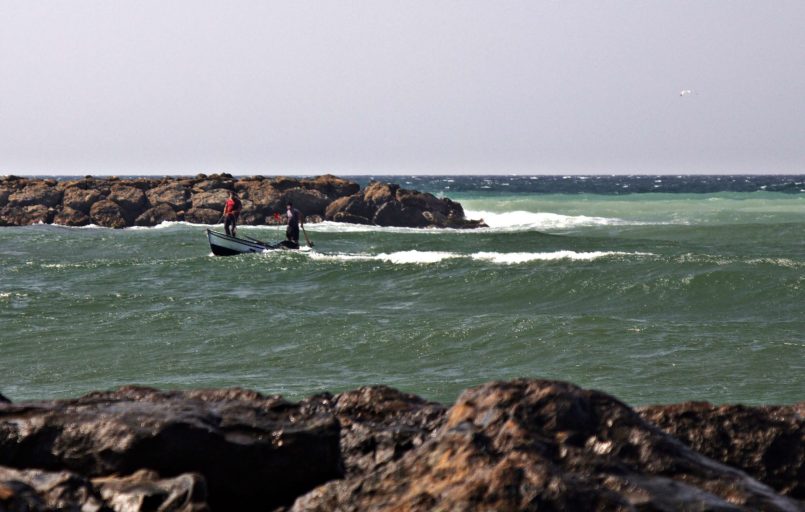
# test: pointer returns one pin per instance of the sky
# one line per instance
(347, 87)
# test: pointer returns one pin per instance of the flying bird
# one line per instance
(685, 92)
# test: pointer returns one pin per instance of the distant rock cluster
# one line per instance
(504, 446)
(118, 203)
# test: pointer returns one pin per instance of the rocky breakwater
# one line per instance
(119, 203)
(504, 446)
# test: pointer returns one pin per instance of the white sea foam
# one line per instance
(523, 220)
(511, 258)
(502, 258)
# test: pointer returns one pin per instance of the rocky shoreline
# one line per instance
(517, 445)
(118, 203)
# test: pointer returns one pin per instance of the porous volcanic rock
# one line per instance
(117, 203)
(379, 424)
(144, 491)
(70, 217)
(547, 445)
(131, 200)
(766, 442)
(107, 213)
(173, 194)
(158, 214)
(36, 193)
(255, 452)
(385, 204)
(81, 199)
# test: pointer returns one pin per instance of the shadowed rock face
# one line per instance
(239, 441)
(503, 446)
(116, 203)
(543, 445)
(766, 442)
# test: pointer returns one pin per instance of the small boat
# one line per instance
(222, 244)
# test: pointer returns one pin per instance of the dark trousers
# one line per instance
(292, 233)
(230, 222)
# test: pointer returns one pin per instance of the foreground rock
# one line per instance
(253, 451)
(520, 445)
(542, 445)
(118, 203)
(766, 442)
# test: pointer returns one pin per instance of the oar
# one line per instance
(309, 243)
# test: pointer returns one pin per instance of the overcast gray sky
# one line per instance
(402, 87)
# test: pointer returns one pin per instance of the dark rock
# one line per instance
(26, 215)
(156, 215)
(545, 445)
(213, 200)
(255, 452)
(107, 213)
(70, 217)
(81, 199)
(380, 424)
(351, 219)
(36, 193)
(309, 202)
(4, 400)
(766, 442)
(265, 198)
(172, 194)
(332, 186)
(282, 183)
(214, 182)
(4, 194)
(393, 213)
(203, 216)
(36, 490)
(144, 491)
(131, 200)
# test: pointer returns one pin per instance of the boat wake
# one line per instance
(503, 258)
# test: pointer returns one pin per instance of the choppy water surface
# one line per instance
(652, 296)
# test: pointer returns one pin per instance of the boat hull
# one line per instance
(222, 244)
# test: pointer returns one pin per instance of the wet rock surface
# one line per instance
(766, 442)
(118, 203)
(518, 445)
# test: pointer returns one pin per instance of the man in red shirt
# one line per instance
(231, 213)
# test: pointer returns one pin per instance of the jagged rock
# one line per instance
(324, 196)
(309, 202)
(255, 452)
(144, 491)
(81, 199)
(4, 400)
(266, 199)
(766, 442)
(36, 193)
(107, 213)
(380, 424)
(332, 186)
(36, 490)
(131, 200)
(203, 216)
(545, 445)
(213, 200)
(156, 215)
(172, 194)
(393, 213)
(26, 215)
(70, 217)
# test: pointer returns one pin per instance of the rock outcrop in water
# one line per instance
(119, 203)
(520, 445)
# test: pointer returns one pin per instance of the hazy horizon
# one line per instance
(388, 88)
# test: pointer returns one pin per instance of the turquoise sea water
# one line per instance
(653, 297)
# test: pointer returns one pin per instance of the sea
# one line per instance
(655, 289)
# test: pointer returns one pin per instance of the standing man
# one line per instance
(294, 220)
(231, 213)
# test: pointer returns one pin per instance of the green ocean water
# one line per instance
(651, 297)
